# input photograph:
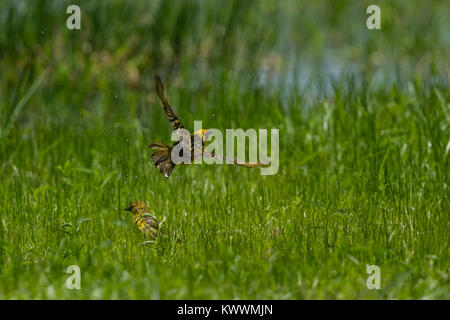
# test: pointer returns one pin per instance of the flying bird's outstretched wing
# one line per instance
(234, 161)
(167, 108)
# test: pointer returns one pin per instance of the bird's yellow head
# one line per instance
(203, 133)
(137, 208)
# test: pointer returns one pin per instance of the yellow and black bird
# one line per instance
(162, 156)
(145, 221)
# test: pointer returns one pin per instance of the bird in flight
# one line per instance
(162, 156)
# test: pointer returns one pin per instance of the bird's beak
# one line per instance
(127, 209)
(206, 134)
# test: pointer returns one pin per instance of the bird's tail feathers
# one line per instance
(161, 158)
(159, 145)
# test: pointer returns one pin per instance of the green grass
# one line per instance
(364, 152)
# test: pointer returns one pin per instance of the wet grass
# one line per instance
(364, 150)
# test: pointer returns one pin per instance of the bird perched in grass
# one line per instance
(162, 156)
(145, 221)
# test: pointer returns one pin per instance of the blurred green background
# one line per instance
(364, 148)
